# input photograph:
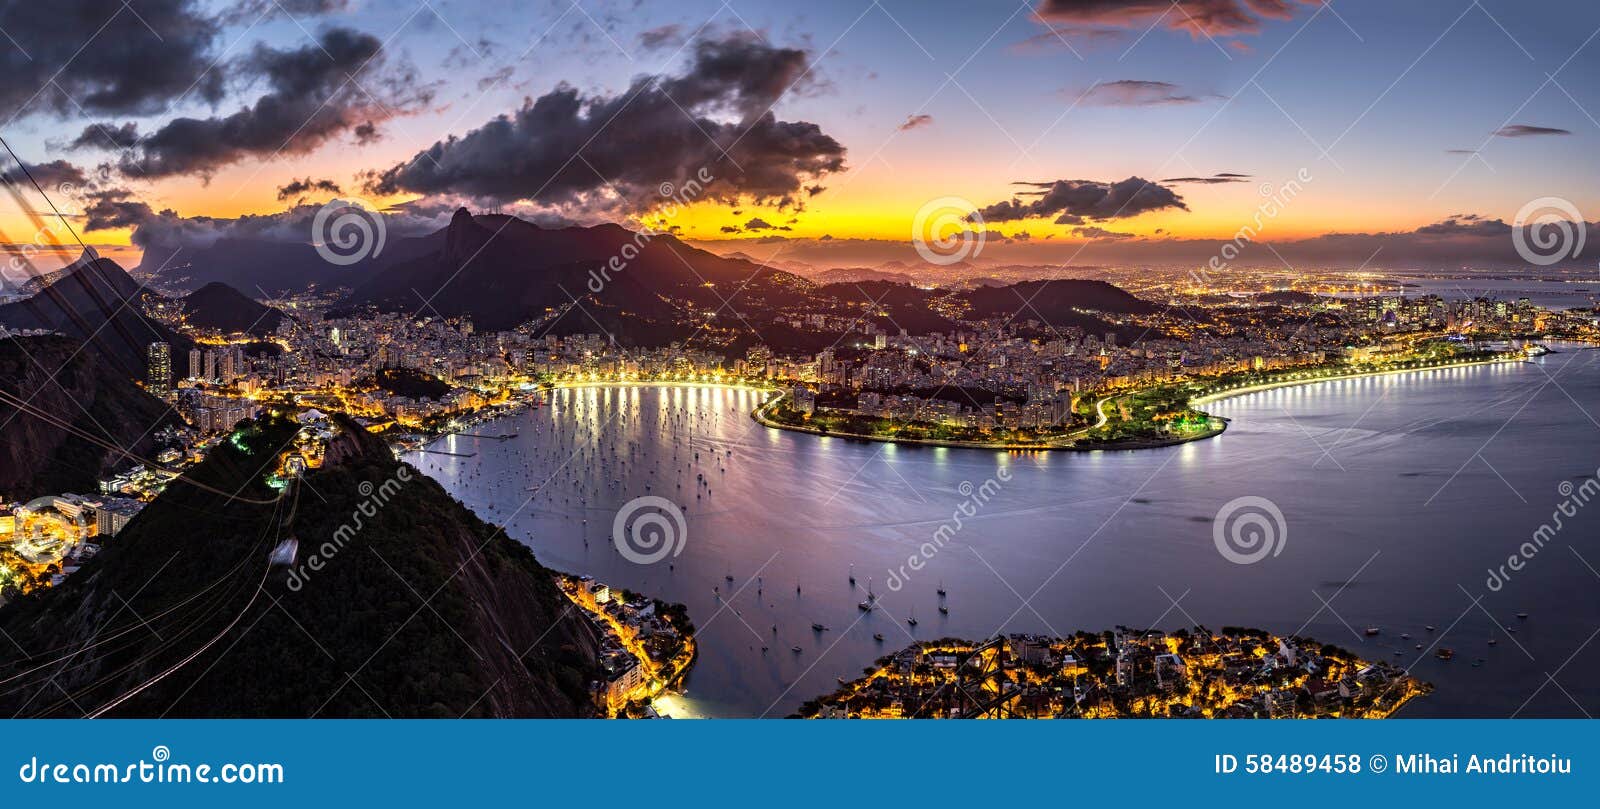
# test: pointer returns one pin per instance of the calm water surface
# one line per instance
(1398, 493)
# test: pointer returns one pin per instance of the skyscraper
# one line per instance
(159, 373)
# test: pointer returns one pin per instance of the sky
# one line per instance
(1138, 125)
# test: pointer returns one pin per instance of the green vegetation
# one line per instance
(409, 382)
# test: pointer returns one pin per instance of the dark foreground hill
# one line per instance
(417, 609)
(62, 384)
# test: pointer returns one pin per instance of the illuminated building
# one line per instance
(159, 378)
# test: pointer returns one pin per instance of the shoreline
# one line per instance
(759, 414)
(1218, 396)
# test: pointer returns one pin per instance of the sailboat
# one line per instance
(941, 587)
(852, 574)
(913, 619)
(872, 598)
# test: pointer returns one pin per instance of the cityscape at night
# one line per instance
(740, 359)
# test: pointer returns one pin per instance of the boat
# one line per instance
(877, 636)
(864, 606)
(943, 610)
(941, 587)
(1522, 615)
(1372, 630)
(795, 649)
(818, 628)
(913, 619)
(1429, 627)
(1492, 641)
(1444, 654)
(852, 575)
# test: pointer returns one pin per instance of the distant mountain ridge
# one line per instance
(223, 308)
(97, 302)
(503, 271)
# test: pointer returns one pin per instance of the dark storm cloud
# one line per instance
(1139, 93)
(1527, 131)
(914, 121)
(165, 230)
(316, 93)
(298, 187)
(102, 57)
(1074, 202)
(566, 148)
(52, 176)
(108, 136)
(1198, 17)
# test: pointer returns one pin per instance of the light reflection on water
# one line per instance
(1419, 481)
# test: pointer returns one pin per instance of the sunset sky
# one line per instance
(1403, 114)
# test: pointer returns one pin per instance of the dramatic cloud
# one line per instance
(1137, 93)
(296, 188)
(111, 137)
(1218, 18)
(103, 57)
(1075, 202)
(1527, 131)
(52, 176)
(607, 152)
(316, 93)
(914, 121)
(1215, 179)
(165, 231)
